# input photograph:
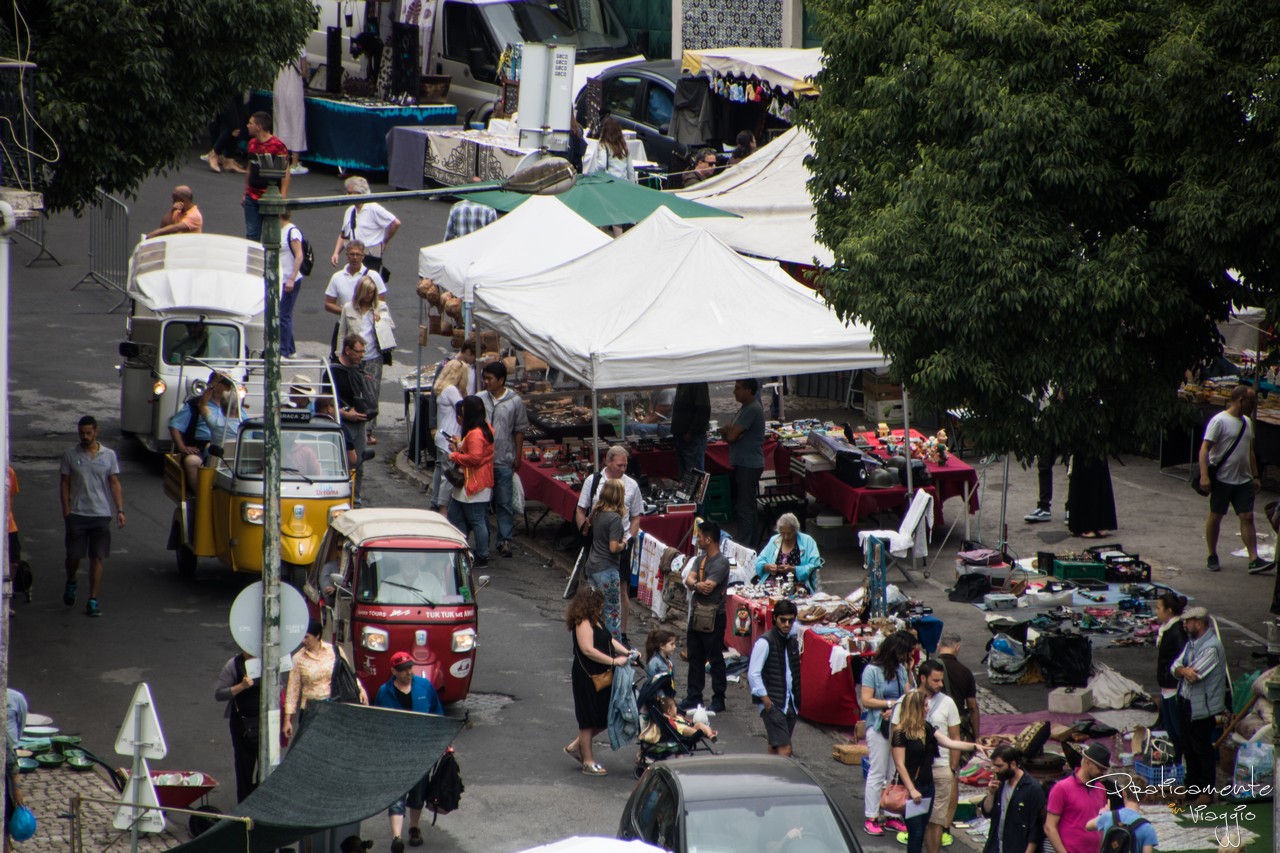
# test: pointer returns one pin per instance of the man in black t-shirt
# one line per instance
(707, 579)
(960, 685)
(352, 410)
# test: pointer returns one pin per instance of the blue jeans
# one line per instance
(917, 824)
(252, 219)
(692, 453)
(503, 505)
(472, 518)
(609, 582)
(288, 299)
(1171, 718)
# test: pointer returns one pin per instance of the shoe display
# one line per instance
(1038, 516)
(91, 609)
(1212, 563)
(872, 828)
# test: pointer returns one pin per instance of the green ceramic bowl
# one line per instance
(73, 753)
(50, 759)
(36, 744)
(68, 740)
(79, 762)
(26, 765)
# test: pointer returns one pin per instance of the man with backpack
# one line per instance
(1125, 830)
(296, 260)
(405, 691)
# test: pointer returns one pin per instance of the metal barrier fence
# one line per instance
(108, 246)
(32, 230)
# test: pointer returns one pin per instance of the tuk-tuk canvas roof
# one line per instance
(537, 235)
(668, 302)
(211, 273)
(375, 522)
(768, 190)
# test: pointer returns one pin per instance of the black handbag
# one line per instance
(455, 475)
(1214, 466)
(342, 684)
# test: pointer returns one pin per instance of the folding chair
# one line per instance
(786, 493)
(911, 539)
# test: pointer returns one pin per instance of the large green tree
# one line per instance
(1038, 202)
(123, 86)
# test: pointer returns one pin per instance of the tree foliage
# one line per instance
(123, 86)
(1036, 202)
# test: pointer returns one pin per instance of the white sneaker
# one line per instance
(299, 170)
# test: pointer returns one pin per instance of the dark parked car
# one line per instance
(641, 96)
(732, 803)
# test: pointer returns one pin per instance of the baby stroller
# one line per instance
(668, 742)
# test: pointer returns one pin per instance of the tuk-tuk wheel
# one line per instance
(187, 561)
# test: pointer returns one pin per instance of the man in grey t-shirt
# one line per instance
(708, 579)
(89, 486)
(746, 456)
(1236, 483)
(510, 422)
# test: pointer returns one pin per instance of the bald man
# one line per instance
(183, 217)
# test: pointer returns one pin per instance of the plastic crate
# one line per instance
(1068, 570)
(1168, 774)
(717, 504)
(1128, 571)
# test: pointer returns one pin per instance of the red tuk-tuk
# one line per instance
(399, 580)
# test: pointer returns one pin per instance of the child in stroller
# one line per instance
(667, 733)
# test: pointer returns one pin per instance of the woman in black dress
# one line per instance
(1089, 498)
(594, 652)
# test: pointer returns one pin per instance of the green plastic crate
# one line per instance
(1069, 570)
(717, 505)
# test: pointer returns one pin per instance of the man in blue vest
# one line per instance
(774, 677)
(405, 691)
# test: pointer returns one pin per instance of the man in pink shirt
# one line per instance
(183, 217)
(1075, 801)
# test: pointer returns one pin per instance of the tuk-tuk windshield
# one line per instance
(412, 577)
(306, 456)
(199, 340)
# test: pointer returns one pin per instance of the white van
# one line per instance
(468, 36)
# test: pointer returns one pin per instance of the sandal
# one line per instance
(594, 769)
(574, 754)
(371, 441)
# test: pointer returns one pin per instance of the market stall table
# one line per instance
(355, 134)
(826, 697)
(663, 463)
(949, 477)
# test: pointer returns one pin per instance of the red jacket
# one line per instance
(476, 460)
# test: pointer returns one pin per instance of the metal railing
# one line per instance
(108, 246)
(32, 230)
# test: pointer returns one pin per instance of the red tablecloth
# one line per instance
(540, 485)
(760, 616)
(826, 698)
(949, 478)
(662, 463)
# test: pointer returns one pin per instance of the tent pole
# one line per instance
(906, 442)
(595, 429)
(415, 429)
(1004, 506)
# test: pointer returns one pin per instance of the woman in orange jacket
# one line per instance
(473, 454)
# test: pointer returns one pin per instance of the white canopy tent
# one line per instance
(668, 302)
(792, 69)
(768, 191)
(539, 234)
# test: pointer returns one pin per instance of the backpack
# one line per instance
(1121, 838)
(308, 254)
(444, 786)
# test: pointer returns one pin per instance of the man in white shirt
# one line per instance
(615, 468)
(1228, 445)
(943, 714)
(342, 286)
(370, 223)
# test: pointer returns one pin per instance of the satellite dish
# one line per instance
(246, 619)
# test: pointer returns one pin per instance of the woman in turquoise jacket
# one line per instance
(789, 550)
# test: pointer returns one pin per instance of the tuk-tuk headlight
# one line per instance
(375, 639)
(159, 388)
(335, 511)
(252, 513)
(464, 640)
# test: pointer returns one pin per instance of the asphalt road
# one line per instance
(521, 790)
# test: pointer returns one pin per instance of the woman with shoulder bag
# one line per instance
(595, 653)
(367, 316)
(241, 693)
(311, 676)
(449, 391)
(884, 681)
(915, 746)
(473, 455)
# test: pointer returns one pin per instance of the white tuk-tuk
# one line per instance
(197, 304)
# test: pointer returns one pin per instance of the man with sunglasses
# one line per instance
(703, 167)
(774, 678)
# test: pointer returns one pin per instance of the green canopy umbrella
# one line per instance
(602, 200)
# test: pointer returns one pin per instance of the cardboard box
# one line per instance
(878, 390)
(1078, 701)
(883, 410)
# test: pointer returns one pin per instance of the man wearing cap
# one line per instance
(302, 393)
(1075, 801)
(199, 423)
(405, 691)
(1201, 671)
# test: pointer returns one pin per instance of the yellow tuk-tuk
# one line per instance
(223, 516)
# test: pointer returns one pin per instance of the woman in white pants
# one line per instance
(884, 681)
